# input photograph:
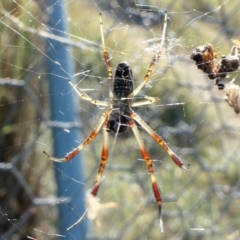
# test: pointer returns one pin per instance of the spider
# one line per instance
(119, 117)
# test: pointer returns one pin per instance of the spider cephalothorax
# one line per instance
(118, 123)
(119, 117)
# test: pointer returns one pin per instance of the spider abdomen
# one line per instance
(123, 81)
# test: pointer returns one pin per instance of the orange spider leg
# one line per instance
(96, 184)
(85, 97)
(154, 59)
(159, 140)
(105, 53)
(91, 137)
(156, 189)
(103, 162)
(149, 100)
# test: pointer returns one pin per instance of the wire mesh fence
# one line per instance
(191, 116)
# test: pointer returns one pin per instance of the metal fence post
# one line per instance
(69, 176)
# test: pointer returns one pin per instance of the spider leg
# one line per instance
(154, 60)
(103, 162)
(84, 96)
(105, 53)
(159, 140)
(156, 189)
(149, 100)
(91, 137)
(102, 165)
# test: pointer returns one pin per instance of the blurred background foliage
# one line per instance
(201, 203)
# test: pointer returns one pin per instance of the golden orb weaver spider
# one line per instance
(119, 117)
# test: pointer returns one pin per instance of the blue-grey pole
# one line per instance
(69, 175)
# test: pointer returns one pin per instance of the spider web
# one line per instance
(191, 116)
